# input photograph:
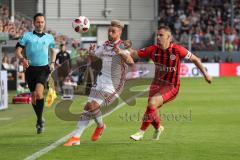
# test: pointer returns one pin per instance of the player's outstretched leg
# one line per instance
(98, 132)
(81, 125)
(157, 133)
(97, 116)
(148, 118)
(92, 110)
(158, 128)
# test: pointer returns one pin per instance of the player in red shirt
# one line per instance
(165, 85)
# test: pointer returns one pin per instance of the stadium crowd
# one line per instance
(14, 29)
(204, 20)
(23, 24)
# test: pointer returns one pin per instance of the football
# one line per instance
(81, 24)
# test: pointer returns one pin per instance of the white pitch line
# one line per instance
(65, 138)
(5, 118)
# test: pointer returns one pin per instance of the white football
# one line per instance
(81, 24)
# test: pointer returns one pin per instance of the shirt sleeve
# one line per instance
(184, 53)
(52, 42)
(98, 52)
(145, 52)
(22, 40)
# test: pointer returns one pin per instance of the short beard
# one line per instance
(38, 30)
(110, 39)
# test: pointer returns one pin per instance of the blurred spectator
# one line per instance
(184, 39)
(21, 73)
(229, 59)
(83, 53)
(216, 58)
(5, 62)
(13, 63)
(228, 46)
(205, 59)
(74, 55)
(227, 29)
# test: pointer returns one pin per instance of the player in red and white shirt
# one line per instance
(110, 82)
(165, 85)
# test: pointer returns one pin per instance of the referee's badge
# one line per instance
(172, 57)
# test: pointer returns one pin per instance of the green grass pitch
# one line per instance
(202, 123)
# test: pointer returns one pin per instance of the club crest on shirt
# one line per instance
(143, 49)
(172, 57)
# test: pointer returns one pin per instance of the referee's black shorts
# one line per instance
(35, 75)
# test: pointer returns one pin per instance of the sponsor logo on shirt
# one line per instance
(172, 57)
(162, 68)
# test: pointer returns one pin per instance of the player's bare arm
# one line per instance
(126, 57)
(198, 63)
(19, 55)
(134, 53)
(53, 58)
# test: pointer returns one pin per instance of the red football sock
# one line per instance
(148, 117)
(156, 121)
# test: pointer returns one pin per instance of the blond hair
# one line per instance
(117, 23)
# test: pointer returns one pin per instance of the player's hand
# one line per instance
(25, 63)
(116, 49)
(208, 78)
(91, 49)
(52, 67)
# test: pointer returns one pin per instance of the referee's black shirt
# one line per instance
(62, 57)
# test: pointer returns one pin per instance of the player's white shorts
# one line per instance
(104, 93)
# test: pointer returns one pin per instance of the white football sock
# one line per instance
(97, 116)
(141, 131)
(82, 124)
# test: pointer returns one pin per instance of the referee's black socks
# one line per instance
(35, 108)
(39, 109)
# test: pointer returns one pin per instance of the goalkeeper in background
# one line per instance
(36, 64)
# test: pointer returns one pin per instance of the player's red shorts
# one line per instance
(168, 91)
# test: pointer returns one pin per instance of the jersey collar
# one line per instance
(169, 49)
(38, 34)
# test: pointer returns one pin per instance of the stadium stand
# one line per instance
(23, 24)
(16, 29)
(205, 21)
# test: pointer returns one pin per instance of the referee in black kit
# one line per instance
(63, 62)
(37, 45)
